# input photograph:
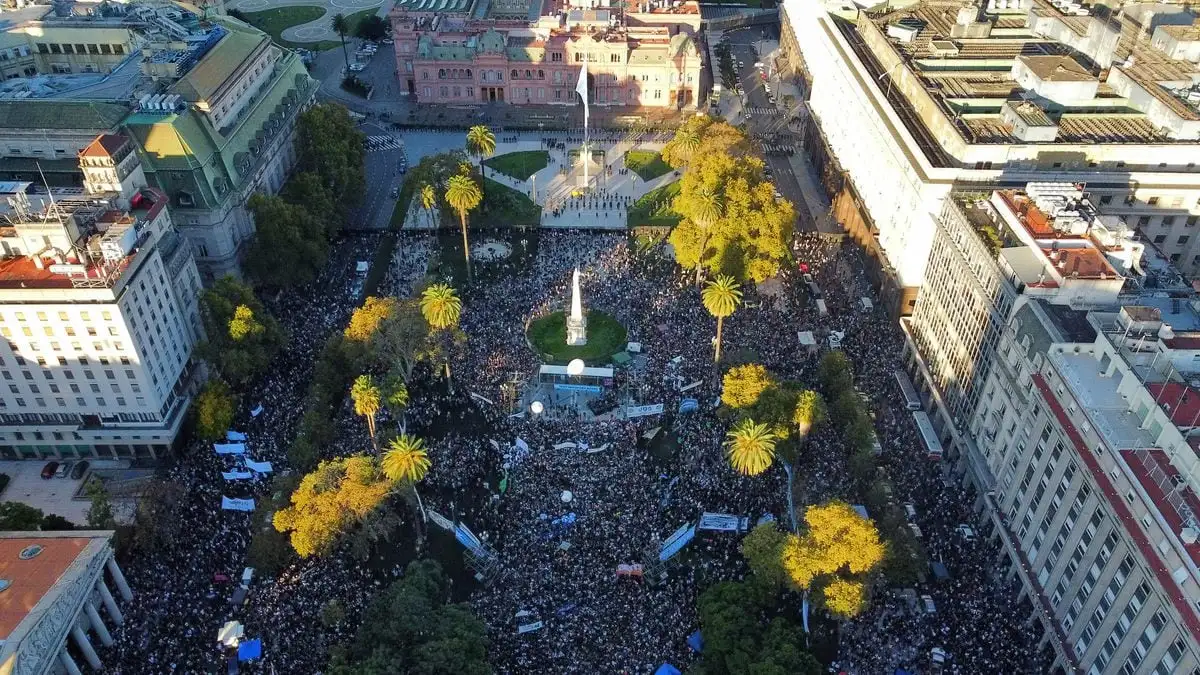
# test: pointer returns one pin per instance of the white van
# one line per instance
(821, 308)
(865, 304)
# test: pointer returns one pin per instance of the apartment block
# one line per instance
(99, 317)
(1059, 359)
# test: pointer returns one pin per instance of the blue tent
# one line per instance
(696, 642)
(250, 650)
(667, 669)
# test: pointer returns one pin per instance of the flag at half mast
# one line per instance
(582, 89)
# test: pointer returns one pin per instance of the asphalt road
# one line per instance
(742, 45)
(383, 175)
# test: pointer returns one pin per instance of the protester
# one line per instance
(554, 561)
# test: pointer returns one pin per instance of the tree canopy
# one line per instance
(750, 447)
(242, 335)
(330, 146)
(365, 322)
(289, 245)
(732, 223)
(18, 517)
(338, 495)
(738, 640)
(410, 628)
(837, 544)
(214, 410)
(742, 385)
(713, 135)
(403, 339)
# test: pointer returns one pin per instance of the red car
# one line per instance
(49, 469)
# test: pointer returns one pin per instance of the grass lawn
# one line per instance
(654, 208)
(519, 165)
(646, 163)
(275, 21)
(605, 337)
(504, 207)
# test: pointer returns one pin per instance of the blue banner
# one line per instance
(588, 388)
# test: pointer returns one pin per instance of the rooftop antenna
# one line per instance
(46, 184)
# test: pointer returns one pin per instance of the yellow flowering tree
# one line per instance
(337, 496)
(742, 385)
(836, 549)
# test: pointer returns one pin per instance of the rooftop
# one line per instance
(962, 66)
(32, 577)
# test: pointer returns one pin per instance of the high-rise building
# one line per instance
(209, 102)
(909, 102)
(635, 58)
(1060, 361)
(98, 314)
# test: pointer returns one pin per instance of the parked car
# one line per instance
(388, 41)
(966, 532)
(927, 604)
(64, 470)
(357, 67)
(79, 469)
(49, 469)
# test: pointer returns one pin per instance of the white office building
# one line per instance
(910, 101)
(99, 318)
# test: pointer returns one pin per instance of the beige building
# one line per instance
(1057, 358)
(35, 41)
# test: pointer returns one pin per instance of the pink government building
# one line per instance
(529, 52)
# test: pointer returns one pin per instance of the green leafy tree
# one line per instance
(341, 26)
(406, 460)
(19, 517)
(410, 627)
(330, 145)
(481, 143)
(463, 195)
(214, 410)
(403, 339)
(242, 335)
(56, 523)
(373, 27)
(100, 513)
(763, 550)
(721, 297)
(750, 447)
(366, 398)
(306, 190)
(835, 374)
(395, 393)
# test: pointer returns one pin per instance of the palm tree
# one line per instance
(688, 141)
(750, 447)
(481, 142)
(441, 308)
(407, 461)
(463, 195)
(341, 26)
(721, 297)
(809, 411)
(366, 398)
(709, 206)
(428, 200)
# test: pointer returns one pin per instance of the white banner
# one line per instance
(643, 410)
(439, 520)
(530, 627)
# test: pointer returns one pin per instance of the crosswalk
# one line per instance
(762, 111)
(379, 143)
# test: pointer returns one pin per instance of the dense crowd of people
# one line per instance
(555, 522)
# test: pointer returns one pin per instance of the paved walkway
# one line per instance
(316, 30)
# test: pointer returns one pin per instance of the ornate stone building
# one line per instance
(53, 587)
(650, 60)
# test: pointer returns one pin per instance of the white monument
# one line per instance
(576, 322)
